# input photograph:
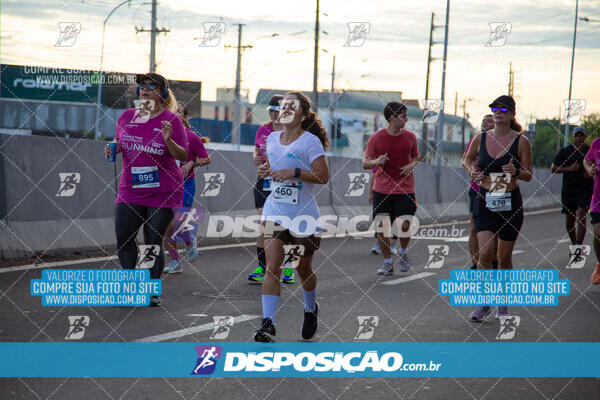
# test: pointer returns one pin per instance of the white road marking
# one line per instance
(446, 239)
(95, 259)
(56, 264)
(196, 315)
(515, 252)
(366, 234)
(563, 241)
(409, 278)
(193, 329)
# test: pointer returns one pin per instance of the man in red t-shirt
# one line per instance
(394, 151)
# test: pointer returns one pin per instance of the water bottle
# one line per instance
(113, 151)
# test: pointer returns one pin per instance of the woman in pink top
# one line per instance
(591, 163)
(151, 138)
(197, 157)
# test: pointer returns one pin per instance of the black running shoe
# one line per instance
(309, 327)
(154, 301)
(266, 332)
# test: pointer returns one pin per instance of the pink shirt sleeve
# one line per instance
(593, 150)
(200, 149)
(179, 134)
(260, 133)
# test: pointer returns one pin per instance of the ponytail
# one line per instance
(311, 122)
(515, 126)
(170, 103)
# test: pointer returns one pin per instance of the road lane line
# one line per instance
(226, 246)
(409, 278)
(193, 329)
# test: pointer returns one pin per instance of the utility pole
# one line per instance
(153, 38)
(315, 99)
(332, 108)
(429, 60)
(558, 131)
(566, 140)
(464, 122)
(237, 111)
(511, 80)
(153, 31)
(440, 131)
(455, 103)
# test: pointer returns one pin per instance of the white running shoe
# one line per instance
(192, 252)
(376, 249)
(174, 267)
(387, 269)
(403, 261)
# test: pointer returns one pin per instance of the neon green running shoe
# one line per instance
(288, 276)
(257, 275)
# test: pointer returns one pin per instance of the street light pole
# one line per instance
(237, 111)
(99, 105)
(315, 99)
(566, 139)
(440, 132)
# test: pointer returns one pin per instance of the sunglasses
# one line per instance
(150, 86)
(504, 110)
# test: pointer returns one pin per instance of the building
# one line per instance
(355, 115)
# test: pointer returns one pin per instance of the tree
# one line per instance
(547, 133)
(591, 123)
(544, 148)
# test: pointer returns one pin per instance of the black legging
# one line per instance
(128, 220)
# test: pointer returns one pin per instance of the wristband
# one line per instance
(297, 173)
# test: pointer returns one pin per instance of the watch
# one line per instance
(297, 173)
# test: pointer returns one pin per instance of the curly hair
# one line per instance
(311, 122)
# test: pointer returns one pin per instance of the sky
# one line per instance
(393, 56)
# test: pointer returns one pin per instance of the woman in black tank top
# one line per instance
(497, 159)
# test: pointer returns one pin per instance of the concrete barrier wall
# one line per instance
(34, 218)
(57, 116)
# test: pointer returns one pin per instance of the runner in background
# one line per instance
(262, 188)
(197, 157)
(486, 124)
(393, 243)
(498, 211)
(394, 151)
(577, 185)
(591, 164)
(151, 183)
(296, 162)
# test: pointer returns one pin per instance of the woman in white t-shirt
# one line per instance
(295, 162)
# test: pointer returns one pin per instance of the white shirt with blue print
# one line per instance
(303, 217)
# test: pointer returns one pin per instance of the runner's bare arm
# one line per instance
(319, 173)
(590, 167)
(369, 163)
(470, 160)
(525, 173)
(470, 157)
(408, 168)
(176, 150)
(258, 159)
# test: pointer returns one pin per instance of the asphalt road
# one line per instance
(407, 311)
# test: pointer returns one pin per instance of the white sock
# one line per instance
(388, 260)
(401, 250)
(309, 299)
(269, 304)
